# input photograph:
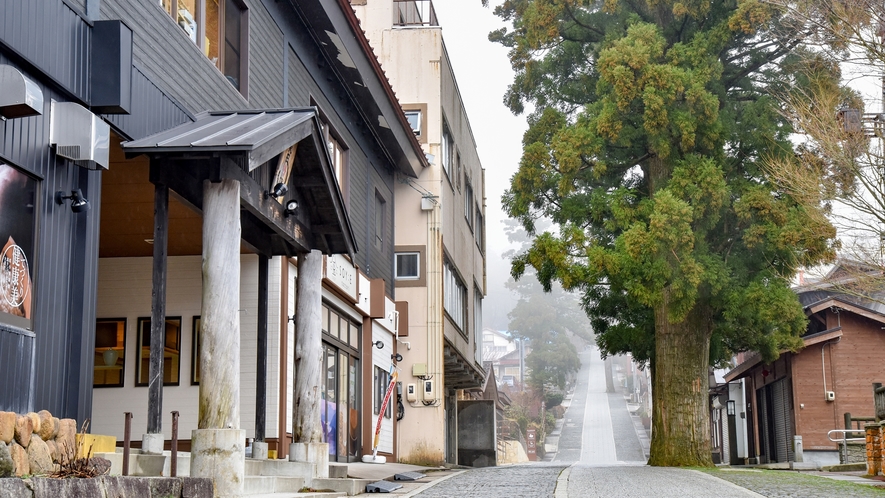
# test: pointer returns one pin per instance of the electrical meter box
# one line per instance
(429, 390)
(411, 393)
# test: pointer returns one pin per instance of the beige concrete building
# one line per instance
(440, 231)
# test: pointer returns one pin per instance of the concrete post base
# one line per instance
(316, 454)
(152, 444)
(220, 454)
(259, 450)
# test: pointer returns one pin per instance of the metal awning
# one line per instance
(259, 135)
(236, 144)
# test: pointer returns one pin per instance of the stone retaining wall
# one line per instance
(118, 487)
(35, 443)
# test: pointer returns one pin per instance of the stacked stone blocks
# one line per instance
(35, 443)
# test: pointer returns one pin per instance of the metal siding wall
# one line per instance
(24, 142)
(152, 110)
(15, 369)
(64, 56)
(265, 67)
(167, 57)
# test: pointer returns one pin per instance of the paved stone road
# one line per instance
(600, 455)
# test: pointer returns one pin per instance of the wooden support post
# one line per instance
(158, 310)
(220, 322)
(308, 348)
(261, 363)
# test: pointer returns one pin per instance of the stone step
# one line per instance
(256, 485)
(283, 468)
(350, 486)
(337, 470)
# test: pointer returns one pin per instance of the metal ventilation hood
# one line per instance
(19, 96)
(79, 135)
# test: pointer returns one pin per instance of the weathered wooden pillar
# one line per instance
(218, 445)
(307, 429)
(259, 446)
(152, 442)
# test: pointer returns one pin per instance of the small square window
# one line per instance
(407, 264)
(414, 118)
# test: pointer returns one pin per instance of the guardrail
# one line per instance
(844, 440)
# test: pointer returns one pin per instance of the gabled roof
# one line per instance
(247, 139)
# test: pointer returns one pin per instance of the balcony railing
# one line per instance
(414, 13)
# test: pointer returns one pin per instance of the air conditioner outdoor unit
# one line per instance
(831, 395)
(79, 135)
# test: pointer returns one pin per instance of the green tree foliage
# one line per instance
(644, 146)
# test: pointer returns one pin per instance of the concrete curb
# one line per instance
(431, 484)
(561, 490)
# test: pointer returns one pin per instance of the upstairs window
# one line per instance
(337, 153)
(468, 203)
(219, 29)
(448, 146)
(455, 297)
(414, 118)
(380, 221)
(407, 264)
(478, 230)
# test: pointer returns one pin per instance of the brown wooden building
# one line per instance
(807, 393)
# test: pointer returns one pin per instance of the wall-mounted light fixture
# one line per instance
(78, 202)
(396, 357)
(278, 190)
(379, 344)
(291, 207)
(729, 407)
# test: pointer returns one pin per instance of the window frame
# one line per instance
(421, 109)
(334, 140)
(421, 281)
(468, 203)
(195, 350)
(121, 359)
(199, 38)
(140, 348)
(381, 380)
(417, 265)
(479, 231)
(452, 284)
(380, 210)
(447, 144)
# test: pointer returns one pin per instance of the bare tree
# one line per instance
(839, 171)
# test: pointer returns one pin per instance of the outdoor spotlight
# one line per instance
(278, 190)
(379, 344)
(396, 357)
(78, 202)
(291, 207)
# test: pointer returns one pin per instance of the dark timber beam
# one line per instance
(158, 310)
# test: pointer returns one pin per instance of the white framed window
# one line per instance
(448, 146)
(414, 118)
(455, 297)
(407, 264)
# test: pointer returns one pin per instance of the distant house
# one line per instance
(808, 393)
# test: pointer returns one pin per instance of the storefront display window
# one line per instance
(18, 193)
(110, 352)
(171, 352)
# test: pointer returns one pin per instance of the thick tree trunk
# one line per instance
(219, 391)
(680, 421)
(308, 349)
